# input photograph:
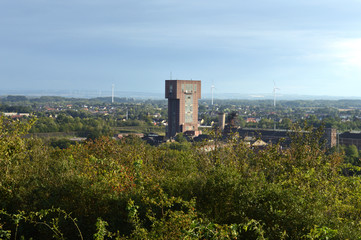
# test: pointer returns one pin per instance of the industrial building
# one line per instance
(183, 98)
(350, 138)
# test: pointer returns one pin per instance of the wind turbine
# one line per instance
(212, 89)
(274, 93)
(113, 93)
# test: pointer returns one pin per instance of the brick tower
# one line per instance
(183, 98)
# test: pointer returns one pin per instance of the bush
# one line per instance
(130, 190)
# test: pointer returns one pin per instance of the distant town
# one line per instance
(62, 119)
(181, 167)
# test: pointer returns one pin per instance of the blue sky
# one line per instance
(309, 47)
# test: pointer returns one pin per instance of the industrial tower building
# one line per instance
(183, 98)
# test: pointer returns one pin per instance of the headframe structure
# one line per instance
(183, 98)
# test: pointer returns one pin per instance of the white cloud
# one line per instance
(347, 52)
(342, 52)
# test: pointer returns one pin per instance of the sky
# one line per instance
(305, 47)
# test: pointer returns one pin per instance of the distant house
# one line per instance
(259, 143)
(16, 115)
(10, 114)
(251, 120)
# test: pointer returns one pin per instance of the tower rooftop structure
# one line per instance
(183, 98)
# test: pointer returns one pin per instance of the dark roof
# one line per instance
(263, 133)
(350, 135)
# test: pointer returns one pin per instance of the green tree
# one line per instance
(352, 155)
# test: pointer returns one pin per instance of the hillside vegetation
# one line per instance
(107, 189)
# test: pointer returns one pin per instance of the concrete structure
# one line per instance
(221, 120)
(331, 137)
(284, 137)
(183, 98)
(275, 135)
(348, 138)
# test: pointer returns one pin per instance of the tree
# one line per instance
(286, 123)
(352, 155)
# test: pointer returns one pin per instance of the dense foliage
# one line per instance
(106, 189)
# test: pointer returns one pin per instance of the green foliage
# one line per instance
(61, 143)
(48, 218)
(102, 231)
(351, 155)
(321, 233)
(165, 218)
(131, 190)
(12, 146)
(181, 138)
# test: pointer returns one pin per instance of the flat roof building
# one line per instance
(183, 98)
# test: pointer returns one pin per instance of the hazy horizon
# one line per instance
(160, 95)
(307, 48)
